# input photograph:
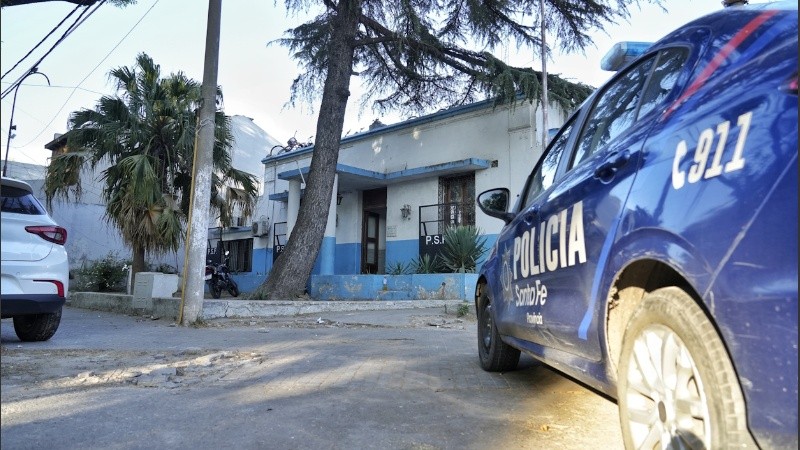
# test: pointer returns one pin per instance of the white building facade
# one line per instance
(397, 187)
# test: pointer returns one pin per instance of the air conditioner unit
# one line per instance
(261, 227)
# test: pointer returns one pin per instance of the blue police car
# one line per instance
(653, 251)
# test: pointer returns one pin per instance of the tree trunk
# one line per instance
(138, 264)
(291, 272)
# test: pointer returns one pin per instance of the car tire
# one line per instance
(677, 386)
(37, 327)
(494, 354)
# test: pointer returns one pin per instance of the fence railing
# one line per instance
(280, 231)
(435, 219)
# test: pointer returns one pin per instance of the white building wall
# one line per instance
(412, 193)
(502, 135)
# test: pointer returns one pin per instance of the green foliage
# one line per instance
(418, 57)
(398, 268)
(426, 264)
(163, 268)
(463, 310)
(463, 246)
(103, 275)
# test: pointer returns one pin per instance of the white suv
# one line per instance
(35, 269)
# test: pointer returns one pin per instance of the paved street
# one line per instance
(400, 379)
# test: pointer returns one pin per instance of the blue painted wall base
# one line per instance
(444, 286)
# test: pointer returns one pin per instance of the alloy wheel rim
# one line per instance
(667, 406)
(487, 327)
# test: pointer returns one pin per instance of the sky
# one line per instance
(255, 77)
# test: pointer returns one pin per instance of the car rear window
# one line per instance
(20, 201)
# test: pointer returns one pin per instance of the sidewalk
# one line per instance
(168, 308)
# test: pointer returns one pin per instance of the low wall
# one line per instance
(437, 286)
(163, 307)
(168, 308)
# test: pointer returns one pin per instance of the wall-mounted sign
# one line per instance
(214, 252)
(276, 251)
(431, 245)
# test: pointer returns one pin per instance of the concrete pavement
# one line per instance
(391, 379)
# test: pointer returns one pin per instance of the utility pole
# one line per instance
(192, 293)
(544, 77)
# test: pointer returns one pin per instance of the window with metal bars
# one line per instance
(241, 254)
(457, 200)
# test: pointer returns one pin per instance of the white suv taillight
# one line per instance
(59, 286)
(50, 233)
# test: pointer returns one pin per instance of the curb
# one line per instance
(168, 308)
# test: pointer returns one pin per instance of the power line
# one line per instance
(62, 87)
(90, 73)
(69, 31)
(42, 41)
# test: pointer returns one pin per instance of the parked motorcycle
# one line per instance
(218, 277)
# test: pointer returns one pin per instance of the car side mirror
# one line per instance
(494, 203)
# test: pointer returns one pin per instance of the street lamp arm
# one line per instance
(11, 127)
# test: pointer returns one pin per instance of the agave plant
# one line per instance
(425, 264)
(398, 268)
(463, 247)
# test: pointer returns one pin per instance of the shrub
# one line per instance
(463, 246)
(103, 275)
(398, 268)
(426, 264)
(163, 268)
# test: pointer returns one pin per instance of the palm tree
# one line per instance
(146, 136)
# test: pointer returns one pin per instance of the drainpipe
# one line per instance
(545, 101)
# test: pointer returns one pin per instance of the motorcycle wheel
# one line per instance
(233, 288)
(216, 289)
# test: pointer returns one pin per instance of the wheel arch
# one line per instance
(630, 286)
(480, 285)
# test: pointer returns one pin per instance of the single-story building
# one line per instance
(397, 188)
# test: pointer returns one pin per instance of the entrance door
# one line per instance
(371, 235)
(372, 248)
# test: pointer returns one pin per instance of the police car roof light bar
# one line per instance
(623, 53)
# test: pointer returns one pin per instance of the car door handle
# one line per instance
(531, 215)
(606, 171)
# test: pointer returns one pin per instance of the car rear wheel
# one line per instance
(495, 355)
(677, 387)
(37, 327)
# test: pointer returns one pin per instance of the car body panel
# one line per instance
(709, 192)
(28, 304)
(31, 247)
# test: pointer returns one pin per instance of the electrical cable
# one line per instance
(53, 47)
(42, 41)
(89, 74)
